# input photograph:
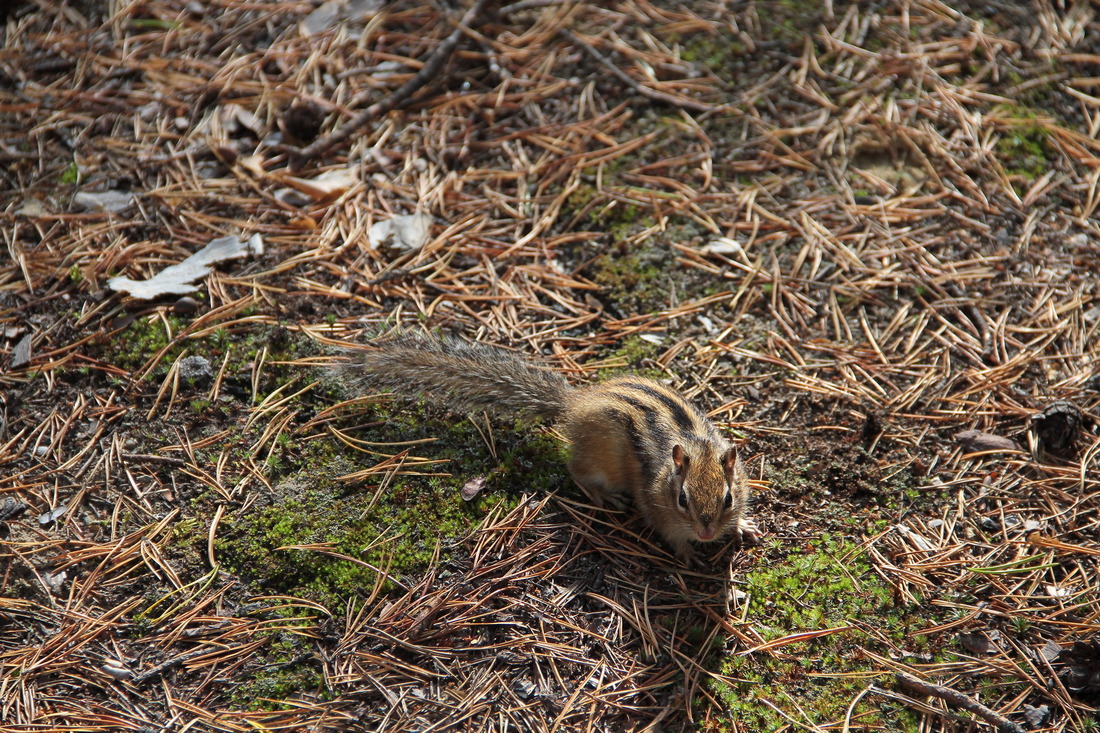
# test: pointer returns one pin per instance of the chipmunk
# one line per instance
(630, 436)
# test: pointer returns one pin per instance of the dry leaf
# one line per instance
(404, 233)
(723, 246)
(180, 279)
(335, 12)
(472, 488)
(330, 184)
(113, 201)
(975, 441)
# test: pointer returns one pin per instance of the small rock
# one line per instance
(196, 369)
(1050, 651)
(186, 304)
(11, 509)
(116, 670)
(54, 581)
(21, 352)
(1036, 717)
(293, 197)
(723, 246)
(524, 688)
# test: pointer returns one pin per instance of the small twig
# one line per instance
(430, 68)
(173, 662)
(151, 458)
(528, 5)
(959, 700)
(684, 102)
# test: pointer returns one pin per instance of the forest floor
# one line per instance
(862, 236)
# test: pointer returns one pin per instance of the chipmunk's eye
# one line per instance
(682, 499)
(729, 499)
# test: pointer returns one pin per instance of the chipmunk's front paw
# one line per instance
(608, 500)
(684, 550)
(747, 534)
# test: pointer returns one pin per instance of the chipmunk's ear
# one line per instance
(679, 460)
(731, 463)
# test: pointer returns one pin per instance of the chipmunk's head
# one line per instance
(709, 487)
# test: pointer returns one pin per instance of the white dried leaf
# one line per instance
(723, 246)
(112, 201)
(180, 279)
(253, 164)
(405, 233)
(328, 185)
(235, 118)
(334, 12)
(980, 642)
(52, 516)
(32, 207)
(707, 324)
(54, 581)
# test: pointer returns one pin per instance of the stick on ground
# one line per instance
(959, 700)
(430, 68)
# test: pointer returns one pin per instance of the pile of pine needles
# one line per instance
(878, 230)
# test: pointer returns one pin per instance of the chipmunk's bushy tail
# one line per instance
(462, 375)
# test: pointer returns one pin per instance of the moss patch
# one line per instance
(635, 281)
(1024, 148)
(828, 584)
(397, 526)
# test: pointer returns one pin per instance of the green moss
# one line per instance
(632, 352)
(394, 528)
(268, 691)
(579, 201)
(289, 669)
(71, 175)
(637, 282)
(138, 342)
(634, 349)
(828, 585)
(717, 53)
(1024, 148)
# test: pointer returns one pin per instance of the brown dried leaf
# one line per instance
(975, 441)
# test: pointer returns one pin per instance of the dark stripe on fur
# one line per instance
(682, 414)
(641, 448)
